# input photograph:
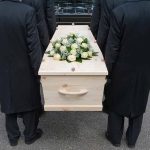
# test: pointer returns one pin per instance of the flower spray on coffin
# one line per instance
(72, 48)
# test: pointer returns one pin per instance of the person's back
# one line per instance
(20, 58)
(104, 25)
(135, 24)
(96, 16)
(127, 59)
(133, 21)
(103, 31)
(13, 31)
(14, 49)
(40, 20)
(50, 16)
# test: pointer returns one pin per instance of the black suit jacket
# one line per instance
(106, 9)
(40, 20)
(50, 16)
(96, 16)
(127, 57)
(20, 57)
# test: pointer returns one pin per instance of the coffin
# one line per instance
(73, 86)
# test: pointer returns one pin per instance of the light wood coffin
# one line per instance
(73, 86)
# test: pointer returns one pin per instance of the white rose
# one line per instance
(57, 57)
(65, 41)
(73, 52)
(72, 34)
(90, 53)
(84, 45)
(59, 40)
(84, 55)
(74, 46)
(79, 40)
(52, 52)
(63, 48)
(71, 58)
(57, 45)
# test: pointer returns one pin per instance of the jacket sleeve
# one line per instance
(113, 43)
(41, 24)
(104, 26)
(51, 18)
(96, 18)
(33, 42)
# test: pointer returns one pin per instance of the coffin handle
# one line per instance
(73, 92)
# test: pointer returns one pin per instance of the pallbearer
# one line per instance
(107, 7)
(50, 16)
(20, 58)
(96, 16)
(127, 59)
(40, 21)
(104, 25)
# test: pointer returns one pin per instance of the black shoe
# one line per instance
(129, 144)
(13, 143)
(38, 135)
(109, 139)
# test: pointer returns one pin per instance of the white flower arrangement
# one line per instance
(72, 48)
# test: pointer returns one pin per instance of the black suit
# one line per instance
(96, 16)
(50, 16)
(20, 58)
(41, 22)
(127, 59)
(104, 25)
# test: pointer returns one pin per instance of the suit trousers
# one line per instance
(30, 121)
(115, 128)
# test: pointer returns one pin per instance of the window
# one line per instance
(73, 7)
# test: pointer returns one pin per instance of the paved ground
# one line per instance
(75, 131)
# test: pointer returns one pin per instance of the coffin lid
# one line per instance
(95, 66)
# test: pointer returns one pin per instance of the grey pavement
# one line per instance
(75, 131)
